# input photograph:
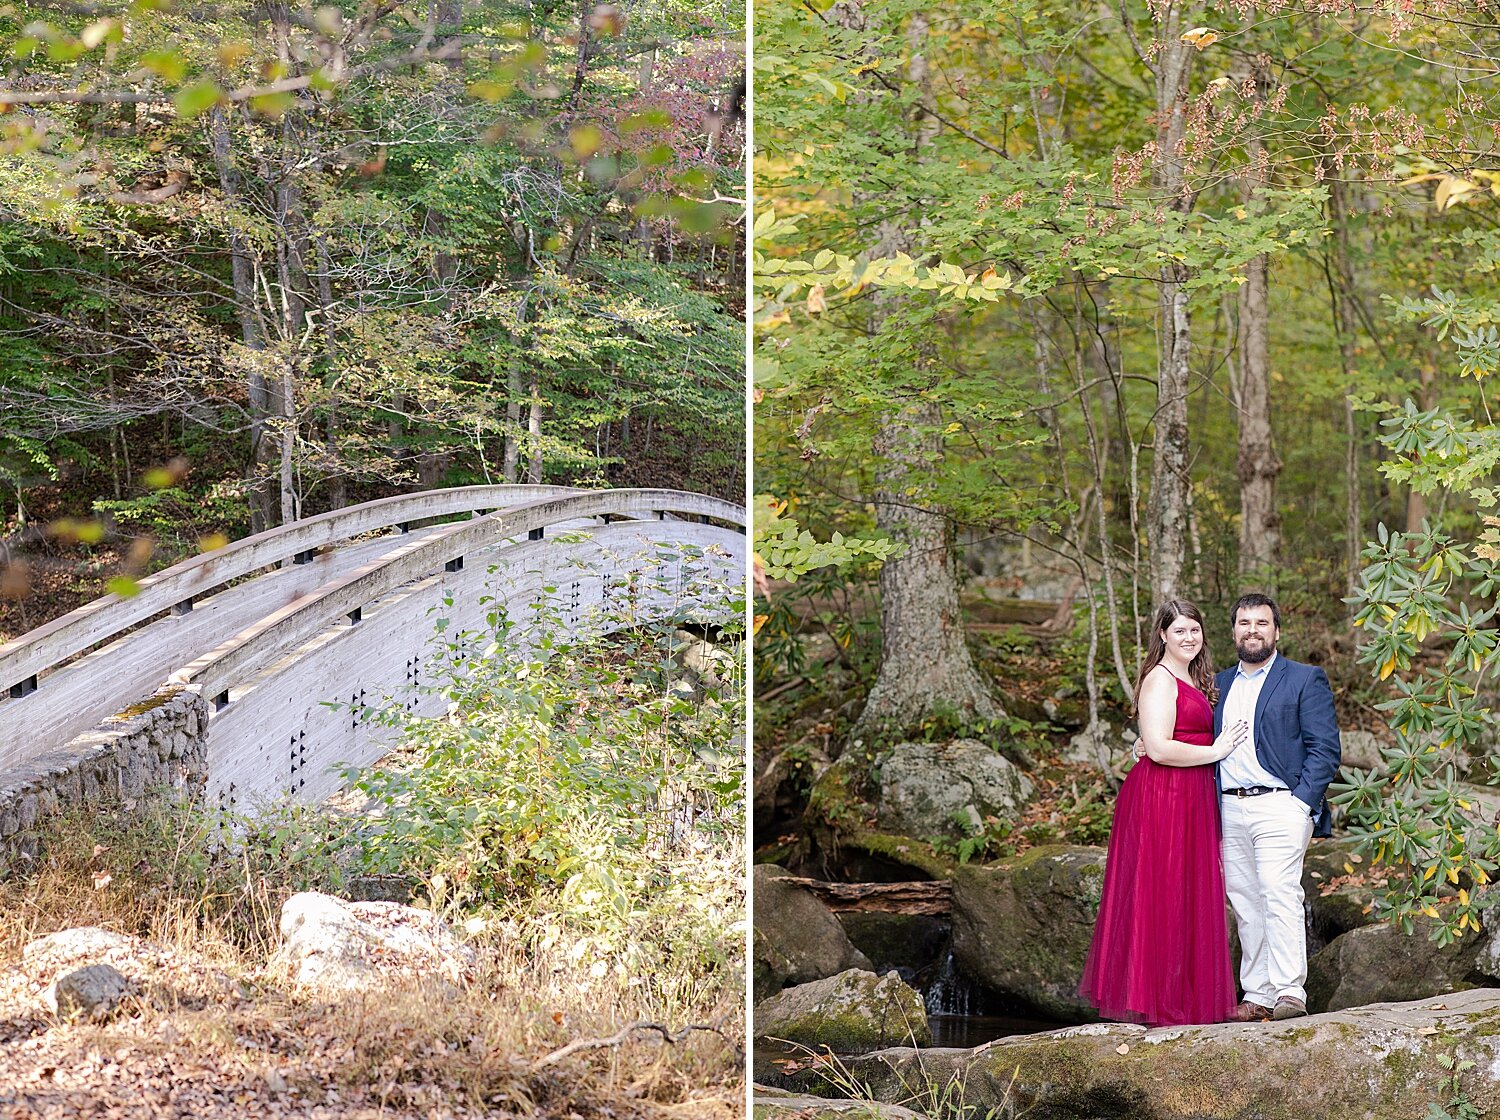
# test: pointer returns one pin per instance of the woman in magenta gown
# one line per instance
(1160, 953)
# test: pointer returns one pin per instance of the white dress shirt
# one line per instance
(1243, 767)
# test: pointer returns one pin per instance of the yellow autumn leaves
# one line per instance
(1453, 188)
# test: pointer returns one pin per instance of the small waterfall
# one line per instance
(951, 992)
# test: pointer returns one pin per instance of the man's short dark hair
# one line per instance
(1255, 599)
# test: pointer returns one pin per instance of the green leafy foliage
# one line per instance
(1426, 606)
(788, 551)
(580, 775)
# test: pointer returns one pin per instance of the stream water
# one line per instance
(960, 1013)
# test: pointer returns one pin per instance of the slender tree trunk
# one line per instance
(534, 432)
(1098, 461)
(338, 493)
(514, 388)
(242, 273)
(1346, 322)
(1167, 509)
(1259, 466)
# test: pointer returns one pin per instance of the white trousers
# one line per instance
(1265, 839)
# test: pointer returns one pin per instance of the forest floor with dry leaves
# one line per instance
(191, 1041)
(213, 1024)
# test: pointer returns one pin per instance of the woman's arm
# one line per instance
(1158, 719)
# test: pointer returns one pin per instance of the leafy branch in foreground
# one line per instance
(1412, 813)
(831, 270)
(784, 550)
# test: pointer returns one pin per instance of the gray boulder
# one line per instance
(1111, 752)
(851, 1012)
(1487, 958)
(91, 992)
(946, 789)
(1360, 749)
(1338, 888)
(797, 938)
(1380, 964)
(1023, 928)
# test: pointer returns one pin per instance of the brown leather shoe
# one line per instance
(1248, 1011)
(1289, 1007)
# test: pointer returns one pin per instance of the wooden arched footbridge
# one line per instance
(249, 663)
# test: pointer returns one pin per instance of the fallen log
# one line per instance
(934, 899)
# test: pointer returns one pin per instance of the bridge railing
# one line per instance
(344, 598)
(175, 588)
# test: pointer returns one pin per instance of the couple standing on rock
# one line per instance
(1235, 766)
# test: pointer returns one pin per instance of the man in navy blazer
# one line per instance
(1271, 801)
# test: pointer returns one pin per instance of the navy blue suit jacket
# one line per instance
(1296, 731)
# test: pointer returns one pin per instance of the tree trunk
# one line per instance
(925, 666)
(252, 329)
(534, 432)
(514, 387)
(1346, 321)
(1166, 513)
(1259, 467)
(338, 493)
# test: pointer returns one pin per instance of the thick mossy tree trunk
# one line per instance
(925, 669)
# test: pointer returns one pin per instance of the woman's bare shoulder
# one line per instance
(1159, 679)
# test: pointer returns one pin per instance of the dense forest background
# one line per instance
(262, 260)
(1097, 304)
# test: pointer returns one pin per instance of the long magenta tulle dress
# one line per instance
(1160, 953)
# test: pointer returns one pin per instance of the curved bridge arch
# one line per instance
(338, 609)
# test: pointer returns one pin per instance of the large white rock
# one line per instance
(79, 943)
(328, 941)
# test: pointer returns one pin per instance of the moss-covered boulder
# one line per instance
(868, 855)
(1372, 1063)
(946, 789)
(1023, 928)
(851, 1012)
(797, 938)
(1380, 964)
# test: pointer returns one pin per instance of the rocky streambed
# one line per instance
(847, 975)
(1386, 1061)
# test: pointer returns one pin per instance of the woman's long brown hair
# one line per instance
(1200, 668)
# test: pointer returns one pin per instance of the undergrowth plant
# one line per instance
(576, 776)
